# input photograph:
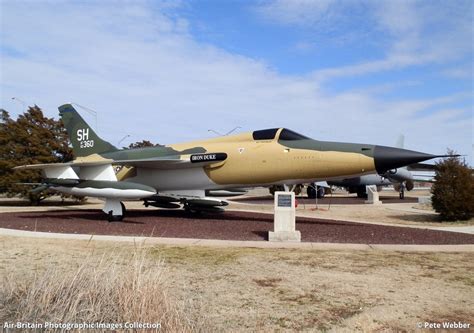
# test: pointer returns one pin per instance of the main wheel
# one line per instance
(311, 191)
(297, 189)
(361, 192)
(191, 210)
(321, 192)
(114, 218)
(272, 189)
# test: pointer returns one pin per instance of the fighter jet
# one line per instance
(400, 178)
(178, 175)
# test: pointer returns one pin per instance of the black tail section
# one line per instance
(83, 138)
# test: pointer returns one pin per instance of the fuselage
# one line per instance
(180, 173)
(252, 159)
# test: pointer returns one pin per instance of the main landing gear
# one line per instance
(115, 210)
(314, 191)
(401, 193)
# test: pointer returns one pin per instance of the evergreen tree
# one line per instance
(143, 144)
(453, 190)
(32, 138)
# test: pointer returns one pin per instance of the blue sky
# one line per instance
(351, 70)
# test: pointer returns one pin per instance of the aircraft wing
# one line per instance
(156, 163)
(191, 161)
(422, 172)
(171, 162)
(423, 178)
(421, 167)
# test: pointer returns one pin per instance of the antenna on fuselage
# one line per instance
(90, 111)
(220, 134)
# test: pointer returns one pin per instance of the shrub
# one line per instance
(453, 190)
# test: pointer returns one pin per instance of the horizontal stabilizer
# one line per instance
(52, 170)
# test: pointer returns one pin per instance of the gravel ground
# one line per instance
(230, 225)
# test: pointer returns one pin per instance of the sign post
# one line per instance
(372, 196)
(284, 219)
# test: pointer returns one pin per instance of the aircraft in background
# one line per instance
(178, 175)
(400, 178)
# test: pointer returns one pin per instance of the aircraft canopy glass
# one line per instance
(266, 134)
(289, 135)
(269, 134)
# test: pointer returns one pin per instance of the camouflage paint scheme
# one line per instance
(248, 162)
(186, 170)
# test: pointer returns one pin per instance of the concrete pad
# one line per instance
(227, 243)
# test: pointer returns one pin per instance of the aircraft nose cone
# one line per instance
(387, 158)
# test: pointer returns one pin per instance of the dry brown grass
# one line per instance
(266, 290)
(115, 287)
(269, 282)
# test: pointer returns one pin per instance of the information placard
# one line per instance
(284, 200)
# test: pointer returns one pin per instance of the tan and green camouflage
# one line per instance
(183, 172)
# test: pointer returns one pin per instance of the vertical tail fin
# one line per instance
(401, 144)
(83, 138)
(400, 141)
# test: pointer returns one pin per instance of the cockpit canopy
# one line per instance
(285, 134)
(290, 135)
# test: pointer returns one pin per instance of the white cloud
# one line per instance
(146, 76)
(416, 32)
(461, 72)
